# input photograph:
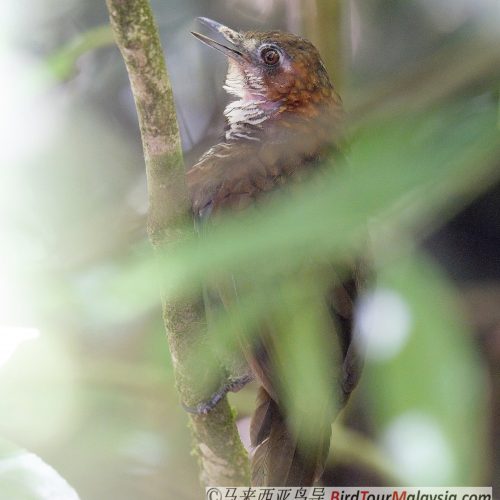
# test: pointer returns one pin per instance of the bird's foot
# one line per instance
(233, 385)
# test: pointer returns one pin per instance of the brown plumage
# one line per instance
(285, 121)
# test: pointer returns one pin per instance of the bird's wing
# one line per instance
(229, 176)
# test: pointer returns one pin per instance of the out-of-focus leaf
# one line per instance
(62, 63)
(428, 395)
(431, 162)
(401, 174)
(25, 476)
(308, 357)
(404, 173)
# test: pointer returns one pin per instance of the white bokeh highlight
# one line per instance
(383, 324)
(11, 337)
(418, 449)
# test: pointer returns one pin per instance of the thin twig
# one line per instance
(352, 448)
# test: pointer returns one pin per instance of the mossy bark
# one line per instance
(222, 457)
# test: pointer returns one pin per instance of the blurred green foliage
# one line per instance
(62, 63)
(404, 174)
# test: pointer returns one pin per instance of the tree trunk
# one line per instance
(222, 457)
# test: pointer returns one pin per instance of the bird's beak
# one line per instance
(230, 35)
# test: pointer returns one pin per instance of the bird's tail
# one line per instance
(284, 457)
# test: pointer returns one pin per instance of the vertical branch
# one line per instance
(222, 457)
(322, 23)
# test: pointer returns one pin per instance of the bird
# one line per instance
(285, 120)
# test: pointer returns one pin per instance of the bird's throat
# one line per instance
(246, 117)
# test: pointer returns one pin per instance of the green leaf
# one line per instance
(403, 173)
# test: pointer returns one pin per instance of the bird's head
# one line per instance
(278, 71)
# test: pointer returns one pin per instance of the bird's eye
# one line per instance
(270, 56)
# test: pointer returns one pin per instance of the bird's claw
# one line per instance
(207, 406)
